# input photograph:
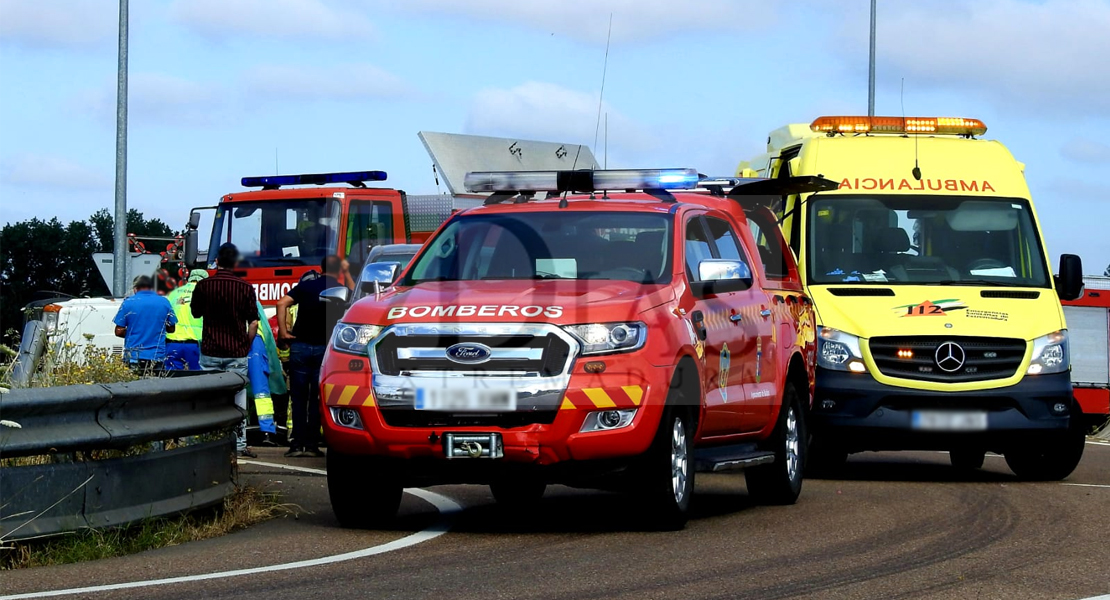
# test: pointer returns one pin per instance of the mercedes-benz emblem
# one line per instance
(950, 356)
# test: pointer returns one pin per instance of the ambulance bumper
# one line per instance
(858, 413)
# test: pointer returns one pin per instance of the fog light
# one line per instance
(1059, 408)
(609, 419)
(346, 417)
(605, 420)
(857, 367)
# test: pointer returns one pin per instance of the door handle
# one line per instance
(735, 317)
(765, 313)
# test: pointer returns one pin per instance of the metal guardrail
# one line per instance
(66, 495)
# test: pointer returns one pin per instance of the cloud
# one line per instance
(53, 171)
(639, 20)
(159, 98)
(353, 82)
(1084, 150)
(1027, 55)
(57, 23)
(545, 111)
(281, 19)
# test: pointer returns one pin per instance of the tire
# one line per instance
(365, 492)
(667, 471)
(967, 459)
(780, 483)
(825, 459)
(518, 494)
(1050, 460)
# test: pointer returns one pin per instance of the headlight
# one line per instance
(839, 351)
(354, 338)
(1050, 354)
(600, 338)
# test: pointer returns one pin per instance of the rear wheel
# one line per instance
(517, 494)
(781, 481)
(967, 459)
(1050, 460)
(667, 477)
(365, 491)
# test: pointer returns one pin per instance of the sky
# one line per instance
(221, 89)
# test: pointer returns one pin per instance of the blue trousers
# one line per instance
(304, 391)
(182, 356)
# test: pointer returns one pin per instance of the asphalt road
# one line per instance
(896, 525)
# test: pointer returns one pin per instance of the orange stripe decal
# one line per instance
(599, 398)
(348, 393)
(567, 404)
(327, 392)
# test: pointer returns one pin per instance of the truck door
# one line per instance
(728, 319)
(369, 224)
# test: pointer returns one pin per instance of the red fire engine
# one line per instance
(1088, 319)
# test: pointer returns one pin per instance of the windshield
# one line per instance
(549, 245)
(278, 232)
(924, 240)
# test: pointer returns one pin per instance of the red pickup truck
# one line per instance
(625, 337)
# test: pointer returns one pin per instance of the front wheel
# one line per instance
(365, 492)
(667, 477)
(781, 481)
(1050, 460)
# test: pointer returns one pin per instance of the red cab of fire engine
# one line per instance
(617, 329)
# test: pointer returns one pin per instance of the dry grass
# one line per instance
(246, 507)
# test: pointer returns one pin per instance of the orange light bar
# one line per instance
(943, 125)
(52, 308)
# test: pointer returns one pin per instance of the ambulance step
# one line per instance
(730, 458)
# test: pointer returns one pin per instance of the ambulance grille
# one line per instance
(554, 356)
(984, 358)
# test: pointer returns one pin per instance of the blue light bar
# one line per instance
(581, 181)
(274, 181)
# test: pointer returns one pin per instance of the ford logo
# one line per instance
(469, 354)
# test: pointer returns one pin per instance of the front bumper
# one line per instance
(859, 413)
(541, 436)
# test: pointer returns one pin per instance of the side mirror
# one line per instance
(720, 275)
(339, 295)
(194, 220)
(189, 254)
(377, 275)
(1069, 279)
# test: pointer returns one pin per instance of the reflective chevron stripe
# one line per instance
(349, 395)
(627, 396)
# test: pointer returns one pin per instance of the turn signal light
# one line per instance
(944, 125)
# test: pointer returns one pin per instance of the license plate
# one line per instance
(466, 399)
(473, 445)
(937, 420)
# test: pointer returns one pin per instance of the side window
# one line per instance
(369, 224)
(697, 247)
(769, 246)
(728, 245)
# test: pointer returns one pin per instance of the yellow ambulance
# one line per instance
(940, 325)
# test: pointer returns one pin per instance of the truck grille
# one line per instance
(525, 354)
(947, 359)
(420, 418)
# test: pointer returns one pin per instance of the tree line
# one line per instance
(48, 256)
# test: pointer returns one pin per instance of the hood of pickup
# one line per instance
(512, 301)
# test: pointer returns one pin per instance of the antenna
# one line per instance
(871, 68)
(277, 171)
(604, 68)
(902, 98)
(606, 158)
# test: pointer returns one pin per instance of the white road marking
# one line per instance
(1104, 597)
(443, 504)
(1094, 485)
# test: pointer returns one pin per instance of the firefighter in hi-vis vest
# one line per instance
(183, 345)
(266, 378)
